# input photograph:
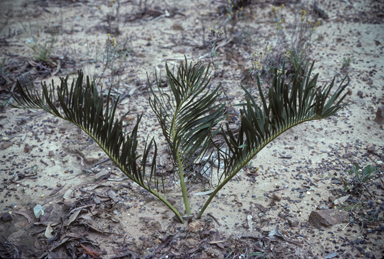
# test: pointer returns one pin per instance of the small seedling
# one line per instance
(360, 176)
(346, 63)
(214, 36)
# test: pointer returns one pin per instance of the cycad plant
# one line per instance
(190, 118)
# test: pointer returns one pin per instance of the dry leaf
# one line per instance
(23, 214)
(48, 231)
(341, 200)
(68, 194)
(72, 218)
(6, 145)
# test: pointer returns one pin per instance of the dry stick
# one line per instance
(210, 214)
(90, 252)
(12, 181)
(57, 190)
(23, 214)
(81, 159)
(101, 162)
(57, 68)
(345, 226)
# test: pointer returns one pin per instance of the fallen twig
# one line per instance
(56, 190)
(90, 252)
(210, 214)
(23, 214)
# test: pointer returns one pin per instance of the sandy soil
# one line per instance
(304, 167)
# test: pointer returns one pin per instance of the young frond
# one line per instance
(187, 116)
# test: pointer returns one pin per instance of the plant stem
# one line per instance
(218, 188)
(168, 204)
(181, 175)
(180, 166)
(183, 188)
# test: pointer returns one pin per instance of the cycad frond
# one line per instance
(289, 105)
(82, 105)
(188, 115)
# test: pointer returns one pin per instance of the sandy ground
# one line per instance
(40, 153)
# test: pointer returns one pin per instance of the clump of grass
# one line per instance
(41, 52)
(233, 11)
(303, 30)
(230, 14)
(270, 59)
(357, 186)
(112, 17)
(108, 57)
(290, 47)
(111, 57)
(110, 52)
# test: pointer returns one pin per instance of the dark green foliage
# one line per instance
(189, 117)
(81, 104)
(288, 105)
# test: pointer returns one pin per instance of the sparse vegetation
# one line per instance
(42, 52)
(290, 47)
(346, 63)
(357, 185)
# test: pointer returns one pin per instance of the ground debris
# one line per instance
(327, 218)
(8, 249)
